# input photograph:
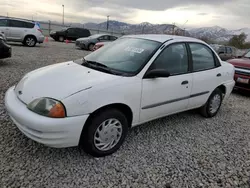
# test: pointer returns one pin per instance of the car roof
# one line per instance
(18, 19)
(163, 38)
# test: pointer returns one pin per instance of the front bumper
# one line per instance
(80, 45)
(53, 132)
(242, 86)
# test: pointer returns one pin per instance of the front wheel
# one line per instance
(105, 133)
(61, 38)
(212, 106)
(91, 47)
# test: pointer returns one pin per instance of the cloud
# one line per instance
(202, 14)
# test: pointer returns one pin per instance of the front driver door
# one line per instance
(163, 96)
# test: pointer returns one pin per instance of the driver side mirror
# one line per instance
(157, 73)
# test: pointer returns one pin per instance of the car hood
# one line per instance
(59, 81)
(243, 62)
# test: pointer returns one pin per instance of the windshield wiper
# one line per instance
(99, 66)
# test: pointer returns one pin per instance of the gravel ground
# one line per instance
(183, 150)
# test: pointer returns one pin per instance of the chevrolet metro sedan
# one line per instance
(137, 79)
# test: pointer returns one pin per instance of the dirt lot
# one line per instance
(183, 150)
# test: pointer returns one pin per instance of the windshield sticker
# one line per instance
(134, 49)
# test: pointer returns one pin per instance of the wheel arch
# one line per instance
(29, 35)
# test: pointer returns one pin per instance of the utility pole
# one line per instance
(173, 32)
(63, 16)
(107, 23)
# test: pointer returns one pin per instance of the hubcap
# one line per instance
(215, 103)
(30, 41)
(108, 134)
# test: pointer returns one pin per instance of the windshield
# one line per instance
(247, 55)
(128, 55)
(95, 36)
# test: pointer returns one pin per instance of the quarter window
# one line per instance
(203, 57)
(174, 59)
(3, 23)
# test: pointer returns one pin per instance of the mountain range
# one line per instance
(214, 33)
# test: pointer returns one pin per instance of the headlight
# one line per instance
(48, 107)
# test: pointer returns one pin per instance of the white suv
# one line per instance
(18, 30)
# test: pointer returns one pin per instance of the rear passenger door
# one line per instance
(17, 30)
(207, 73)
(72, 34)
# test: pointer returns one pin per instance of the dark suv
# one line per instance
(71, 33)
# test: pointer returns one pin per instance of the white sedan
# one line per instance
(92, 102)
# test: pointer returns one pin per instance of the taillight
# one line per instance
(40, 30)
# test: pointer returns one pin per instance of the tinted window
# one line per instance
(17, 23)
(112, 38)
(173, 59)
(203, 57)
(71, 31)
(3, 23)
(126, 55)
(29, 25)
(106, 37)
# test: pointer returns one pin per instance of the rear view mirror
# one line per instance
(157, 73)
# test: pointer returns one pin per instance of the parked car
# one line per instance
(227, 52)
(99, 45)
(71, 33)
(5, 49)
(137, 79)
(2, 35)
(18, 30)
(89, 42)
(242, 71)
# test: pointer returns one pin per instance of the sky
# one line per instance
(231, 14)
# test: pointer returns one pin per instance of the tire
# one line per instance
(95, 134)
(90, 47)
(30, 41)
(213, 104)
(61, 39)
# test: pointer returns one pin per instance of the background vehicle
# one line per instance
(5, 49)
(2, 35)
(227, 52)
(99, 45)
(143, 77)
(18, 30)
(71, 33)
(89, 42)
(242, 71)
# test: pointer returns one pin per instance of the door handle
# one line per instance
(218, 75)
(184, 82)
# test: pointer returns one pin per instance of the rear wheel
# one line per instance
(212, 106)
(105, 133)
(30, 41)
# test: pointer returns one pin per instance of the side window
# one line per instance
(203, 57)
(105, 37)
(3, 23)
(17, 23)
(112, 38)
(229, 50)
(174, 59)
(71, 31)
